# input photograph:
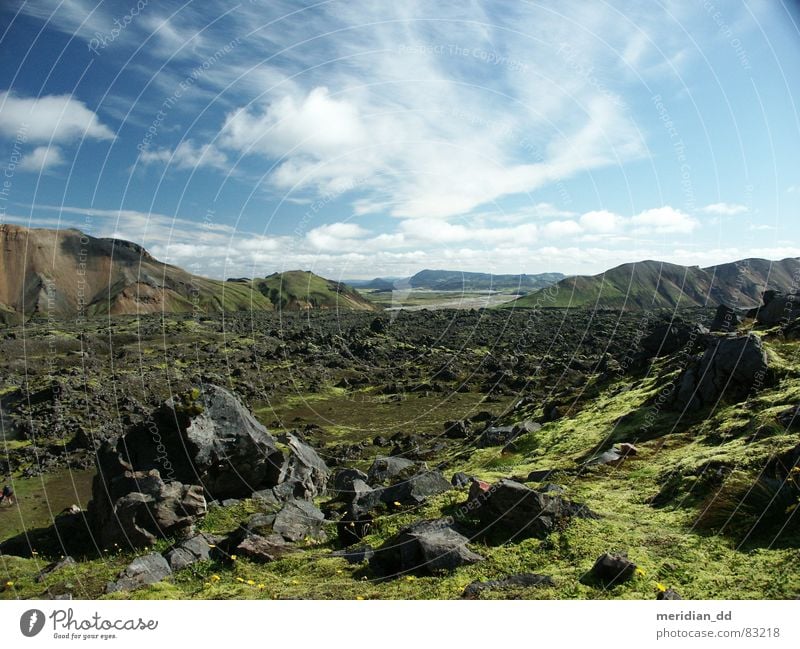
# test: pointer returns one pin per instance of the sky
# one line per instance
(360, 139)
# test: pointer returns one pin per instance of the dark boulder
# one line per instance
(299, 519)
(725, 319)
(525, 580)
(304, 468)
(207, 437)
(459, 480)
(512, 511)
(667, 337)
(496, 436)
(343, 481)
(136, 508)
(429, 546)
(611, 569)
(142, 571)
(417, 489)
(459, 429)
(778, 308)
(190, 551)
(731, 367)
(263, 549)
(384, 469)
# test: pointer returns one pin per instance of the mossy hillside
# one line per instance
(663, 538)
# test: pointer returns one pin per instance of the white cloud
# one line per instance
(187, 155)
(52, 118)
(336, 236)
(556, 229)
(724, 209)
(602, 221)
(41, 159)
(663, 220)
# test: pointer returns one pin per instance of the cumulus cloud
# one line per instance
(51, 118)
(602, 221)
(42, 158)
(664, 220)
(724, 209)
(187, 155)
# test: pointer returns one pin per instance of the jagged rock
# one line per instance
(207, 437)
(496, 436)
(428, 546)
(731, 367)
(192, 550)
(343, 481)
(525, 580)
(263, 549)
(260, 524)
(136, 508)
(666, 338)
(459, 429)
(384, 469)
(611, 569)
(778, 308)
(511, 510)
(416, 489)
(142, 571)
(299, 519)
(305, 468)
(726, 319)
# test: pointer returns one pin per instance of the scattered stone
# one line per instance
(299, 519)
(731, 367)
(668, 594)
(343, 481)
(428, 546)
(460, 479)
(666, 338)
(305, 468)
(197, 548)
(417, 489)
(260, 524)
(612, 569)
(525, 580)
(511, 510)
(142, 571)
(358, 554)
(263, 549)
(55, 567)
(383, 469)
(459, 429)
(778, 308)
(496, 436)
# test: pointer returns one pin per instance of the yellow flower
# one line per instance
(233, 557)
(215, 577)
(640, 572)
(661, 587)
(397, 504)
(261, 587)
(410, 578)
(359, 597)
(250, 582)
(295, 582)
(9, 584)
(339, 572)
(240, 580)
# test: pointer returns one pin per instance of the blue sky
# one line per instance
(359, 139)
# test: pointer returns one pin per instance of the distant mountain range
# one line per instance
(65, 273)
(453, 280)
(657, 284)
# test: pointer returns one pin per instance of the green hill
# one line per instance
(656, 284)
(300, 290)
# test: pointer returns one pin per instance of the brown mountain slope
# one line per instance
(66, 274)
